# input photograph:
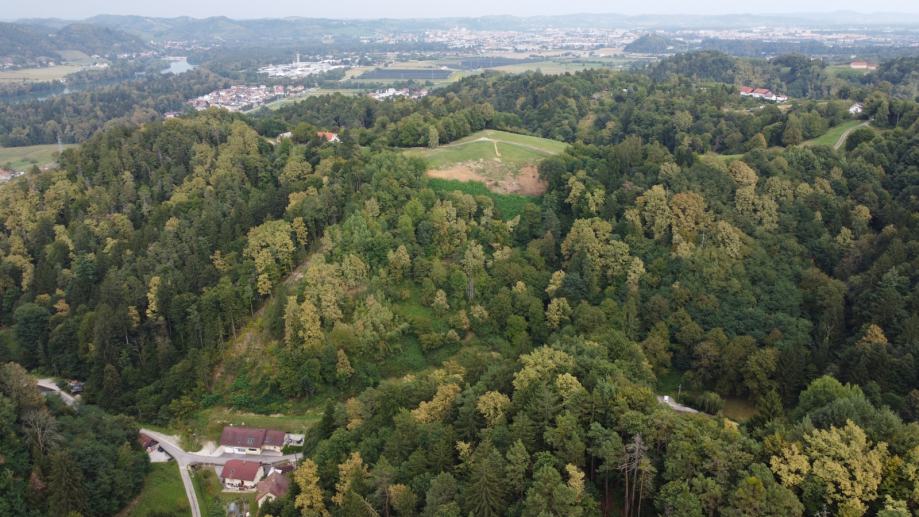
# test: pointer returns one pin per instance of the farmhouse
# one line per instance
(856, 108)
(241, 475)
(761, 93)
(251, 440)
(328, 136)
(862, 65)
(272, 487)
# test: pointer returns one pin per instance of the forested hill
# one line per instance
(20, 42)
(486, 365)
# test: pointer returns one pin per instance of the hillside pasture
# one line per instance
(833, 135)
(504, 162)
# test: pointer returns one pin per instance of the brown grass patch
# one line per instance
(526, 182)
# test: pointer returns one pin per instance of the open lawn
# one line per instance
(834, 133)
(51, 73)
(498, 164)
(21, 158)
(163, 493)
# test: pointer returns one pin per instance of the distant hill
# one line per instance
(654, 44)
(276, 31)
(23, 43)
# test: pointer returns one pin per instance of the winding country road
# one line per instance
(186, 459)
(842, 138)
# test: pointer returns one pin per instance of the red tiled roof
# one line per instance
(746, 89)
(242, 437)
(275, 438)
(275, 484)
(241, 470)
(328, 135)
(146, 441)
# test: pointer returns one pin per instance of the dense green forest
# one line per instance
(479, 364)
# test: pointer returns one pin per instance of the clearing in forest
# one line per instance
(504, 162)
(22, 158)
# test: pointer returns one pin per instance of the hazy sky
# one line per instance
(428, 8)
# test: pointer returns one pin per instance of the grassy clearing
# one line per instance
(832, 135)
(738, 410)
(508, 205)
(163, 493)
(493, 163)
(21, 158)
(25, 75)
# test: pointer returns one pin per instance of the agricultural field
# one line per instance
(406, 74)
(21, 158)
(491, 161)
(552, 67)
(162, 494)
(25, 75)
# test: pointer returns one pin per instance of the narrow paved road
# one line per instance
(842, 138)
(676, 406)
(48, 385)
(186, 459)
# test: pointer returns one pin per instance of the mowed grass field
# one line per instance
(832, 135)
(163, 493)
(51, 73)
(498, 164)
(21, 158)
(514, 149)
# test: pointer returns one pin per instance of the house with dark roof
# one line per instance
(241, 474)
(272, 487)
(251, 440)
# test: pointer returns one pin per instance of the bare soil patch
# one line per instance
(525, 182)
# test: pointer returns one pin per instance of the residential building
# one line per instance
(761, 93)
(251, 440)
(856, 108)
(328, 136)
(241, 474)
(272, 487)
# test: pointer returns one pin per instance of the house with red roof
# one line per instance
(241, 474)
(328, 136)
(272, 487)
(761, 93)
(251, 440)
